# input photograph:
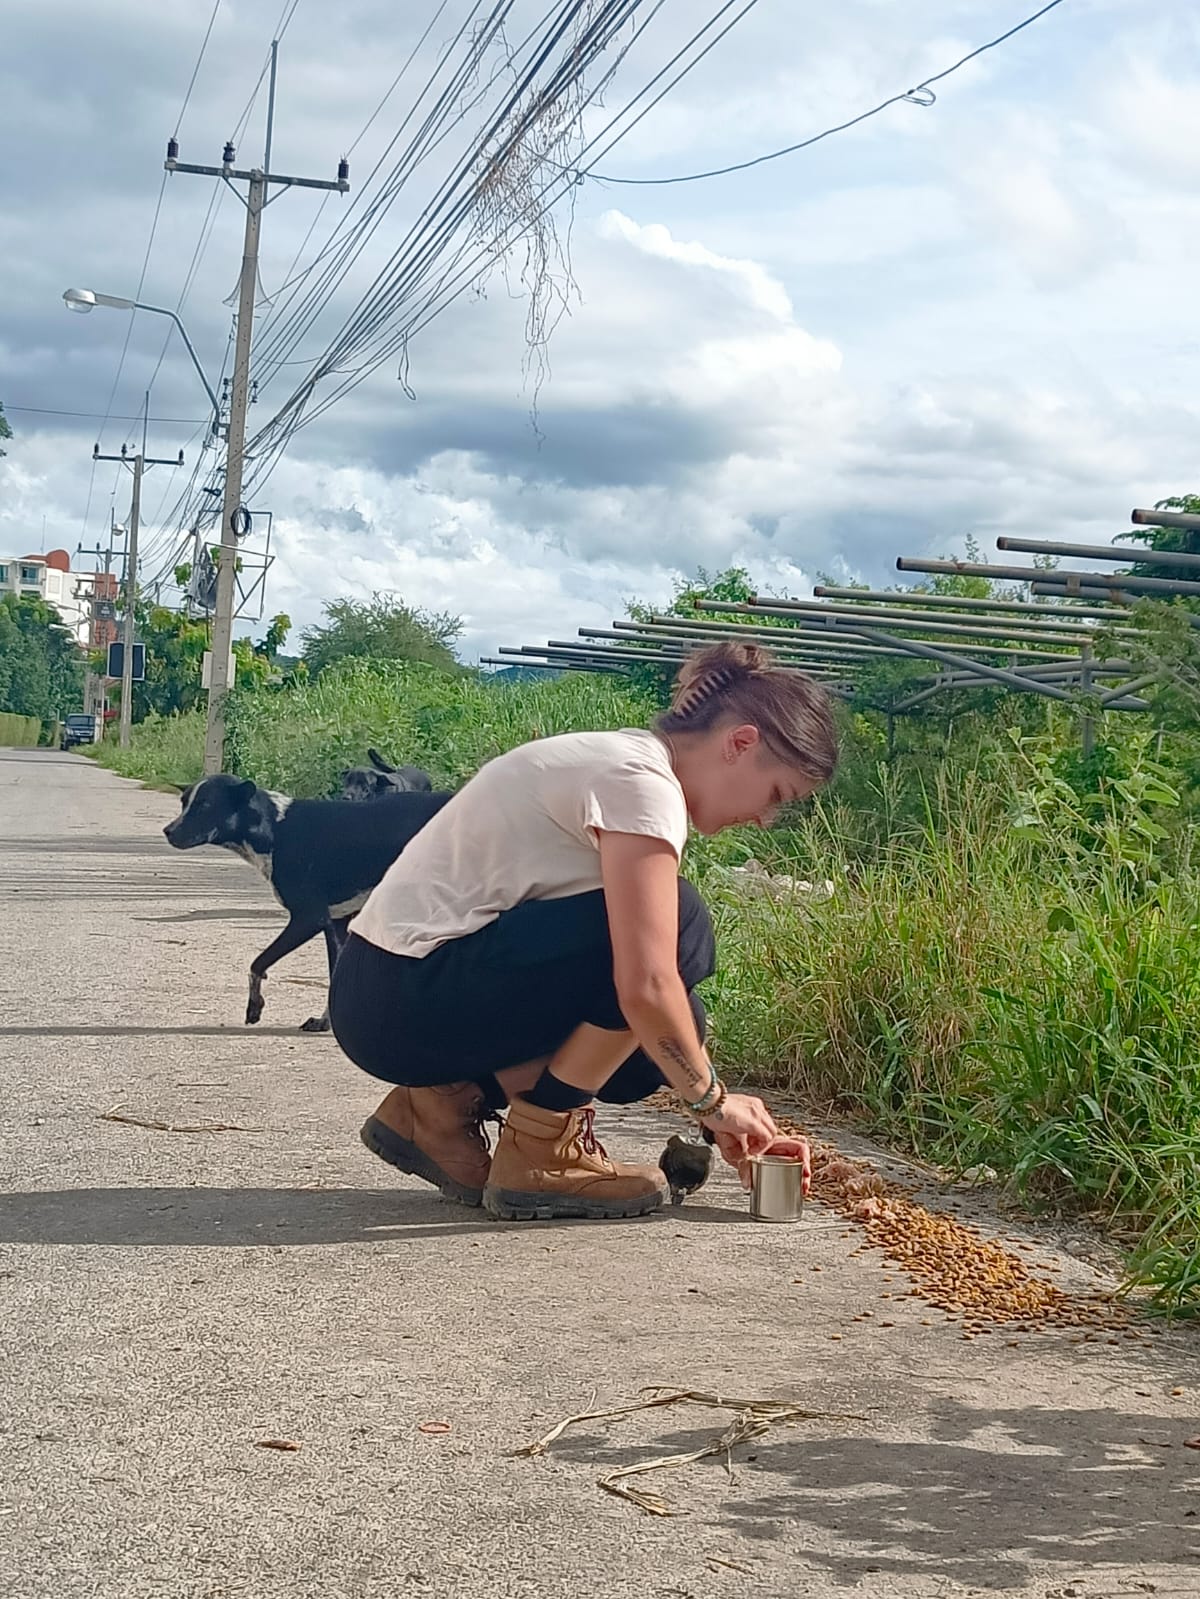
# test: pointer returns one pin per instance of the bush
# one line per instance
(19, 732)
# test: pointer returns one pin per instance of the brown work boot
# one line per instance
(434, 1133)
(549, 1164)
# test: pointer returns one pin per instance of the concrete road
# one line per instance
(169, 1300)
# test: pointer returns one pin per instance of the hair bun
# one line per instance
(716, 668)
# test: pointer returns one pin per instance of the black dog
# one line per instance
(380, 778)
(321, 857)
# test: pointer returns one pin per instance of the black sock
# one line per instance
(494, 1096)
(548, 1093)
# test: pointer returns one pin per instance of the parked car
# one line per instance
(78, 728)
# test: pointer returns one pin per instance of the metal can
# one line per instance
(777, 1188)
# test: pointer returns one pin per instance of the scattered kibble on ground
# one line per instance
(951, 1265)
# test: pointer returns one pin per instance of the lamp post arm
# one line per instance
(161, 310)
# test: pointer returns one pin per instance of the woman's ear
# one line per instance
(741, 741)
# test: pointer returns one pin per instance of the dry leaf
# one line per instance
(287, 1445)
(1191, 1443)
(433, 1426)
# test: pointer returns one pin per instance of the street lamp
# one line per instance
(85, 300)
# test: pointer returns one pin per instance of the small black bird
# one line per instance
(686, 1165)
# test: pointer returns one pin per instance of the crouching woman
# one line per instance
(535, 947)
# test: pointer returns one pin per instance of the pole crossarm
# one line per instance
(254, 175)
(147, 460)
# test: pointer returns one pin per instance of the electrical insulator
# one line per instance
(172, 149)
(343, 171)
(227, 158)
(95, 452)
(181, 457)
(124, 451)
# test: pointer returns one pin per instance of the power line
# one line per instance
(281, 27)
(402, 281)
(196, 69)
(914, 96)
(90, 416)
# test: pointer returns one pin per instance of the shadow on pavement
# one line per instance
(984, 1499)
(237, 1217)
(118, 1030)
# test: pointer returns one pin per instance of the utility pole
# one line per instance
(234, 515)
(137, 465)
(95, 694)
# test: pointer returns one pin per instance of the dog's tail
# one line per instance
(378, 762)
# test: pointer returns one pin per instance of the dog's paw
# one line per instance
(315, 1024)
(254, 1011)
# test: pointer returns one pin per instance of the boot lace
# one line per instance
(477, 1123)
(586, 1134)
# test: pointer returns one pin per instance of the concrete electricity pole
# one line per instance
(137, 464)
(234, 515)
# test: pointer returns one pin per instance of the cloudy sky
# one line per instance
(969, 319)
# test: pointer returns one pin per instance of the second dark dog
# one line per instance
(382, 778)
(321, 857)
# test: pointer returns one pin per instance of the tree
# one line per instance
(381, 628)
(5, 430)
(277, 635)
(41, 666)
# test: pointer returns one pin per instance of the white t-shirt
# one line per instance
(524, 827)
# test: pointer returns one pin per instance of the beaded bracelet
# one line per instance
(718, 1102)
(712, 1097)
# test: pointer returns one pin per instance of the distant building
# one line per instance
(50, 578)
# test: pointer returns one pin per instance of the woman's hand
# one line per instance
(791, 1149)
(741, 1129)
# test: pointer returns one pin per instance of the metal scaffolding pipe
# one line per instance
(1117, 596)
(1017, 628)
(1126, 689)
(997, 674)
(1068, 582)
(828, 617)
(1192, 619)
(1051, 674)
(673, 651)
(944, 657)
(787, 639)
(773, 636)
(1101, 552)
(1165, 519)
(951, 601)
(553, 666)
(563, 651)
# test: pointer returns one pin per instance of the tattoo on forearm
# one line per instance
(675, 1053)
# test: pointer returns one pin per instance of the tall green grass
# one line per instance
(301, 740)
(1009, 983)
(163, 750)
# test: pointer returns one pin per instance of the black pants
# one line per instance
(511, 992)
